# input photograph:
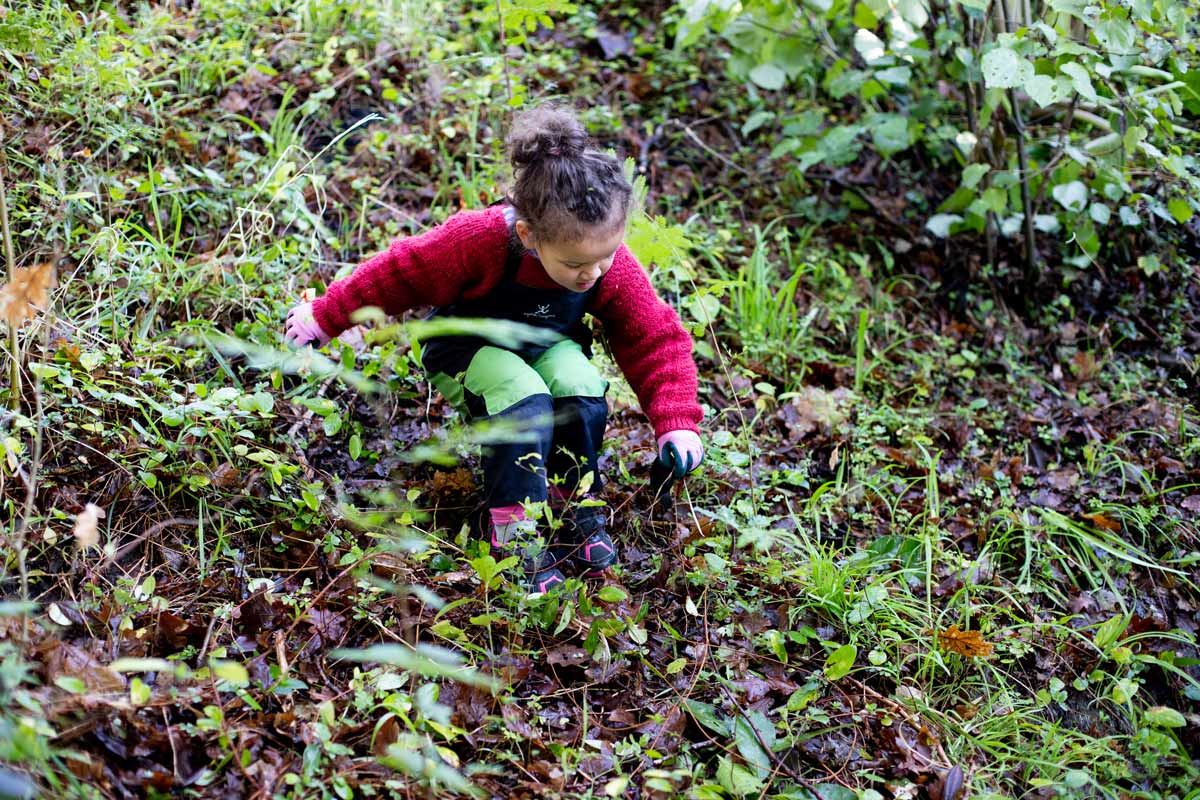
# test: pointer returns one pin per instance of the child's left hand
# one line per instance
(680, 450)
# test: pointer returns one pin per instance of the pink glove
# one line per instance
(681, 451)
(302, 328)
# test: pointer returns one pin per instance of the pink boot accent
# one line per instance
(546, 584)
(587, 549)
(503, 515)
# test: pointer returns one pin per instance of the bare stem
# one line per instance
(504, 49)
(11, 260)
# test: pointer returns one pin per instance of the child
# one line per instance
(549, 254)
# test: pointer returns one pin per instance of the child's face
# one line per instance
(575, 265)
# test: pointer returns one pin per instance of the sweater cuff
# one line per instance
(664, 426)
(323, 313)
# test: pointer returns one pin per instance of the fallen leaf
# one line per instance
(965, 643)
(25, 294)
(234, 102)
(225, 476)
(65, 660)
(1101, 521)
(86, 533)
(567, 655)
(614, 43)
(1191, 503)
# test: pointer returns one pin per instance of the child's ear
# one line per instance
(524, 233)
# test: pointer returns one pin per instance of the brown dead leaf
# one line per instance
(25, 294)
(965, 643)
(66, 660)
(225, 476)
(1101, 521)
(567, 655)
(452, 484)
(234, 102)
(1191, 503)
(86, 532)
(1084, 366)
(386, 735)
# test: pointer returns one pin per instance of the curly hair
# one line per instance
(563, 188)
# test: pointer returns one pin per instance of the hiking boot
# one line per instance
(591, 547)
(540, 563)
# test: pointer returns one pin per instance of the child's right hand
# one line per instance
(302, 328)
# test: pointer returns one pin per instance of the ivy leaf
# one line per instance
(1114, 34)
(1072, 196)
(1043, 89)
(1100, 213)
(1003, 68)
(1081, 80)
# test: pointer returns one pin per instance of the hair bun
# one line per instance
(544, 133)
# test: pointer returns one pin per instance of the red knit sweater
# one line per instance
(463, 259)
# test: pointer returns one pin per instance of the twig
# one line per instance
(720, 157)
(504, 50)
(124, 549)
(11, 262)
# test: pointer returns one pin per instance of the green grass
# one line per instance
(272, 521)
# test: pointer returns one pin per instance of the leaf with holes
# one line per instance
(1004, 68)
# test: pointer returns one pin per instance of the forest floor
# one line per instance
(944, 543)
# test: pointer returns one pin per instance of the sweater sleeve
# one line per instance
(650, 346)
(463, 257)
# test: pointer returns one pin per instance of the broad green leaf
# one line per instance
(1080, 80)
(1046, 223)
(230, 671)
(1164, 717)
(889, 132)
(139, 692)
(973, 173)
(748, 743)
(1004, 68)
(736, 779)
(15, 608)
(840, 662)
(71, 684)
(1109, 631)
(1115, 35)
(1179, 209)
(869, 46)
(1071, 196)
(768, 76)
(1100, 213)
(612, 594)
(756, 121)
(1043, 89)
(1129, 217)
(1124, 690)
(332, 424)
(895, 76)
